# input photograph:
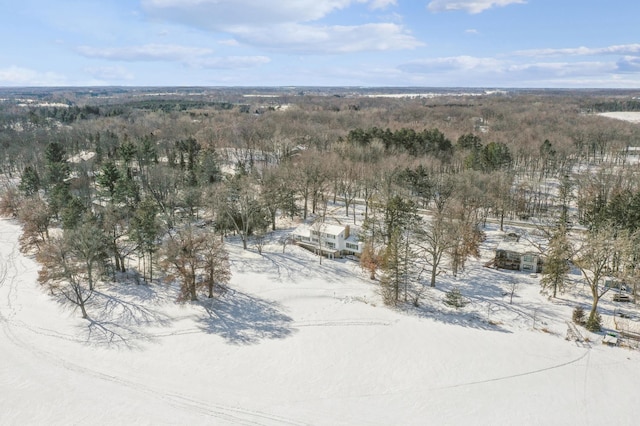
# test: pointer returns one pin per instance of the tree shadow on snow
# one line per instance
(120, 319)
(456, 317)
(243, 319)
(432, 306)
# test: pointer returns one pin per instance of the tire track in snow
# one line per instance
(513, 376)
(341, 323)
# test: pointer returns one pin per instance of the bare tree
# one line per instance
(115, 224)
(436, 237)
(215, 264)
(595, 258)
(88, 244)
(190, 254)
(243, 207)
(35, 218)
(10, 200)
(371, 259)
(65, 273)
(181, 255)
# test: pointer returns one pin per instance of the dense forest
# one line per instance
(149, 181)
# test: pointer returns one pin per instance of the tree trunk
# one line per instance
(90, 276)
(192, 290)
(594, 306)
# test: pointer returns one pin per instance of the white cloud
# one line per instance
(221, 14)
(621, 49)
(470, 6)
(479, 72)
(229, 42)
(147, 52)
(629, 64)
(381, 4)
(230, 62)
(110, 73)
(191, 56)
(285, 24)
(562, 69)
(18, 76)
(453, 63)
(472, 31)
(308, 39)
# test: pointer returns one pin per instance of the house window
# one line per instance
(352, 246)
(527, 258)
(331, 245)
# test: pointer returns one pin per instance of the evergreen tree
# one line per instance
(56, 164)
(29, 181)
(108, 178)
(145, 230)
(72, 213)
(556, 265)
(392, 273)
(209, 171)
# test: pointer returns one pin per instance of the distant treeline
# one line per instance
(39, 115)
(169, 105)
(431, 141)
(617, 105)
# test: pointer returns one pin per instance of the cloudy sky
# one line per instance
(437, 43)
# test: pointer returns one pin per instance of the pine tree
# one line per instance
(391, 271)
(29, 181)
(108, 178)
(145, 229)
(398, 268)
(556, 266)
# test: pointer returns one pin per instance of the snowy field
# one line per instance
(631, 116)
(294, 342)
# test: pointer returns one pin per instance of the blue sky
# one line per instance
(433, 43)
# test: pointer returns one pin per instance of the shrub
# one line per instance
(594, 323)
(454, 298)
(578, 315)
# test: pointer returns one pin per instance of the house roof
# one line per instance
(327, 228)
(522, 246)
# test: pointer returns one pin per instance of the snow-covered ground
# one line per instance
(631, 116)
(294, 342)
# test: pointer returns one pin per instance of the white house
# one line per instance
(518, 255)
(329, 240)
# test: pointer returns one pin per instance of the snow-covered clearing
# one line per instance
(294, 342)
(631, 116)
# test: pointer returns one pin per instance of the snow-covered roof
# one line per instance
(521, 246)
(327, 228)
